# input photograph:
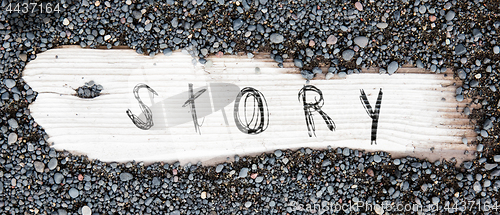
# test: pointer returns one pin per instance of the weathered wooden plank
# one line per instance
(418, 109)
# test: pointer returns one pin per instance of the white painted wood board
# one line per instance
(418, 111)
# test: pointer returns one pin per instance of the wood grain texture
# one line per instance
(418, 111)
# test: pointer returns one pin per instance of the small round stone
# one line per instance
(450, 15)
(358, 6)
(52, 164)
(58, 177)
(9, 83)
(86, 210)
(219, 168)
(331, 40)
(347, 54)
(460, 49)
(276, 38)
(12, 138)
(393, 67)
(39, 166)
(361, 41)
(278, 153)
(125, 176)
(382, 25)
(73, 192)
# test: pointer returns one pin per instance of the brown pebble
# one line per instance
(370, 172)
(359, 6)
(432, 18)
(311, 43)
(331, 40)
(253, 176)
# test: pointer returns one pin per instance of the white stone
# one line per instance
(12, 138)
(86, 210)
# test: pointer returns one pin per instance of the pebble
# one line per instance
(467, 111)
(346, 152)
(484, 133)
(298, 63)
(358, 6)
(479, 147)
(278, 153)
(461, 74)
(167, 52)
(477, 187)
(58, 177)
(237, 23)
(73, 192)
(460, 50)
(259, 179)
(496, 49)
(490, 166)
(329, 75)
(66, 21)
(342, 74)
(488, 124)
(382, 25)
(9, 83)
(422, 9)
(450, 15)
(379, 210)
(219, 168)
(86, 210)
(276, 38)
(12, 138)
(23, 57)
(361, 41)
(52, 164)
(307, 74)
(203, 195)
(125, 176)
(39, 166)
(347, 54)
(496, 158)
(317, 70)
(377, 158)
(243, 172)
(392, 68)
(248, 204)
(331, 40)
(311, 43)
